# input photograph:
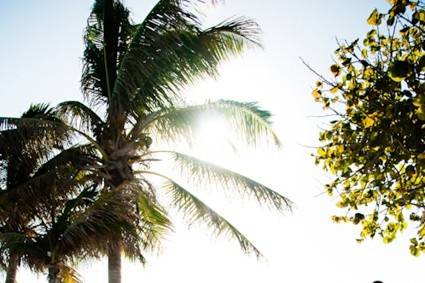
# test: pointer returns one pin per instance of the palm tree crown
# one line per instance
(25, 143)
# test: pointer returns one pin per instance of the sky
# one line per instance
(40, 55)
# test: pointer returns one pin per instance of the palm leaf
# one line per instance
(81, 116)
(12, 239)
(205, 173)
(170, 51)
(154, 220)
(29, 249)
(64, 170)
(196, 211)
(247, 120)
(108, 25)
(36, 132)
(68, 274)
(50, 133)
(110, 218)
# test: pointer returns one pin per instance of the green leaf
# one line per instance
(399, 70)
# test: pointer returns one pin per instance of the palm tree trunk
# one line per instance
(54, 274)
(12, 268)
(114, 263)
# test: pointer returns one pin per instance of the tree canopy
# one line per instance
(375, 146)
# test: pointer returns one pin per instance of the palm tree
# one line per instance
(73, 228)
(75, 220)
(52, 212)
(22, 148)
(134, 74)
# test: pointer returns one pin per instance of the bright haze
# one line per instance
(40, 55)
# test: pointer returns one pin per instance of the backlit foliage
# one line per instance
(375, 148)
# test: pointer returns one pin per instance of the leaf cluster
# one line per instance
(375, 146)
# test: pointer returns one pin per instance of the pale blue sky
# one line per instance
(40, 55)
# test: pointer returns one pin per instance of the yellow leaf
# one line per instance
(317, 94)
(421, 156)
(420, 15)
(420, 113)
(368, 122)
(368, 73)
(334, 89)
(421, 231)
(335, 219)
(321, 152)
(374, 18)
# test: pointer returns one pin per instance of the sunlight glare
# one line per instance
(214, 139)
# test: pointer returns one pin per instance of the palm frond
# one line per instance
(50, 133)
(110, 218)
(68, 274)
(81, 116)
(78, 157)
(170, 51)
(64, 171)
(250, 122)
(154, 222)
(151, 51)
(108, 25)
(29, 249)
(28, 141)
(196, 211)
(12, 240)
(205, 173)
(38, 130)
(236, 33)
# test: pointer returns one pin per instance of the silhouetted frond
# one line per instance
(170, 51)
(107, 219)
(81, 116)
(196, 211)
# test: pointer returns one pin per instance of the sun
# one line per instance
(214, 139)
